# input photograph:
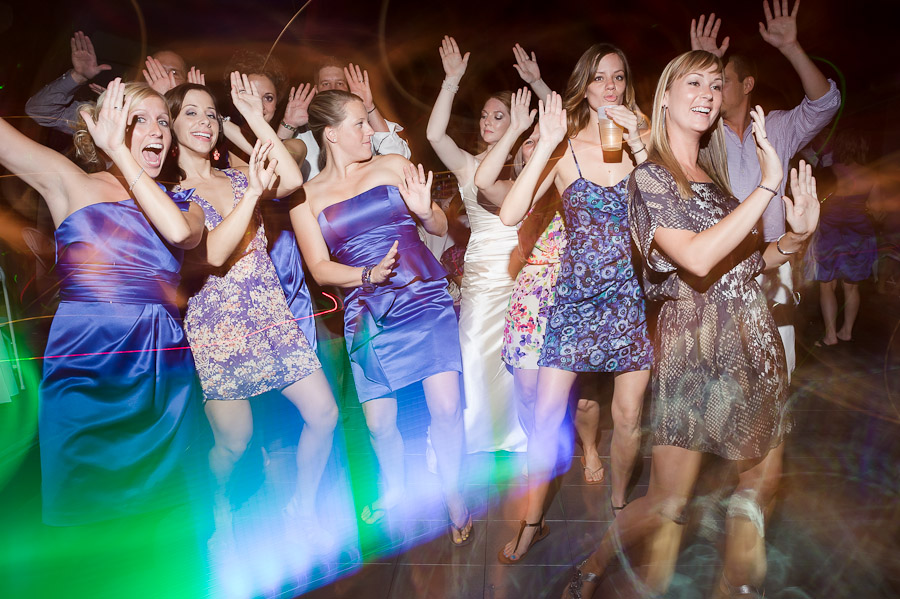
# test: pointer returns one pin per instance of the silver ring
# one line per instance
(117, 108)
(242, 91)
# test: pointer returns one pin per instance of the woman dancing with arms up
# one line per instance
(720, 379)
(597, 323)
(356, 231)
(118, 397)
(245, 339)
(490, 414)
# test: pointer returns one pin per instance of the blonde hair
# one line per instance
(578, 111)
(86, 152)
(712, 158)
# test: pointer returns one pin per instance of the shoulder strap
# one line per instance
(575, 158)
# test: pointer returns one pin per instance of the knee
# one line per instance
(325, 419)
(234, 444)
(626, 416)
(446, 410)
(382, 428)
(673, 508)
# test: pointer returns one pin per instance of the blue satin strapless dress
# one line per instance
(119, 409)
(288, 264)
(404, 331)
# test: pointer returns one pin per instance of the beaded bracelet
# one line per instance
(450, 87)
(133, 183)
(769, 189)
(290, 128)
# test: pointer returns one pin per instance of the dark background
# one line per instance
(397, 42)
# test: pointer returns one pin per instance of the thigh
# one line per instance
(311, 395)
(228, 419)
(673, 473)
(380, 413)
(442, 393)
(553, 388)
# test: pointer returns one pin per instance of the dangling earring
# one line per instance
(216, 154)
(174, 151)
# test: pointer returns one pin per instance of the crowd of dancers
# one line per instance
(652, 262)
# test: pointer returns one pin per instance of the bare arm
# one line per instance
(527, 68)
(246, 99)
(358, 83)
(521, 195)
(780, 30)
(453, 157)
(316, 257)
(415, 188)
(699, 253)
(801, 213)
(488, 173)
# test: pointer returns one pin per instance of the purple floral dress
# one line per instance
(598, 322)
(532, 297)
(243, 336)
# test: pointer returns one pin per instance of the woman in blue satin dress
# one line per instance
(119, 402)
(356, 231)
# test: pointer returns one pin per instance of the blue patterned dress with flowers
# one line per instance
(598, 322)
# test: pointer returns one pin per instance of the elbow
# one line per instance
(698, 268)
(481, 182)
(433, 136)
(507, 219)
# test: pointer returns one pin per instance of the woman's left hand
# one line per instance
(261, 176)
(108, 131)
(157, 77)
(628, 121)
(245, 96)
(196, 77)
(416, 190)
(802, 214)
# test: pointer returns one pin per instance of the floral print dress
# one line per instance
(243, 336)
(598, 322)
(532, 297)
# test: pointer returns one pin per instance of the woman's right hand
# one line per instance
(553, 125)
(108, 131)
(520, 117)
(454, 62)
(157, 77)
(383, 270)
(769, 163)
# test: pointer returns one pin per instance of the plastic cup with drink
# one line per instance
(610, 132)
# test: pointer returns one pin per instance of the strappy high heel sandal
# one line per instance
(573, 590)
(543, 531)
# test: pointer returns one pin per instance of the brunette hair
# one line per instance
(850, 146)
(172, 173)
(712, 157)
(93, 159)
(325, 62)
(578, 111)
(328, 109)
(254, 63)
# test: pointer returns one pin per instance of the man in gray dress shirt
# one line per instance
(788, 131)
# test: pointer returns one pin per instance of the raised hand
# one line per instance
(157, 77)
(296, 113)
(84, 59)
(627, 120)
(526, 67)
(802, 214)
(97, 89)
(245, 96)
(704, 37)
(769, 162)
(454, 63)
(383, 270)
(552, 124)
(108, 131)
(261, 177)
(780, 29)
(358, 83)
(195, 76)
(520, 117)
(415, 188)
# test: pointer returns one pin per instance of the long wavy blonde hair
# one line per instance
(712, 157)
(86, 152)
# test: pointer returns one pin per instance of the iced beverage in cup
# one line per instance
(610, 132)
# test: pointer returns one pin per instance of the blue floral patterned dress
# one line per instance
(244, 338)
(598, 322)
